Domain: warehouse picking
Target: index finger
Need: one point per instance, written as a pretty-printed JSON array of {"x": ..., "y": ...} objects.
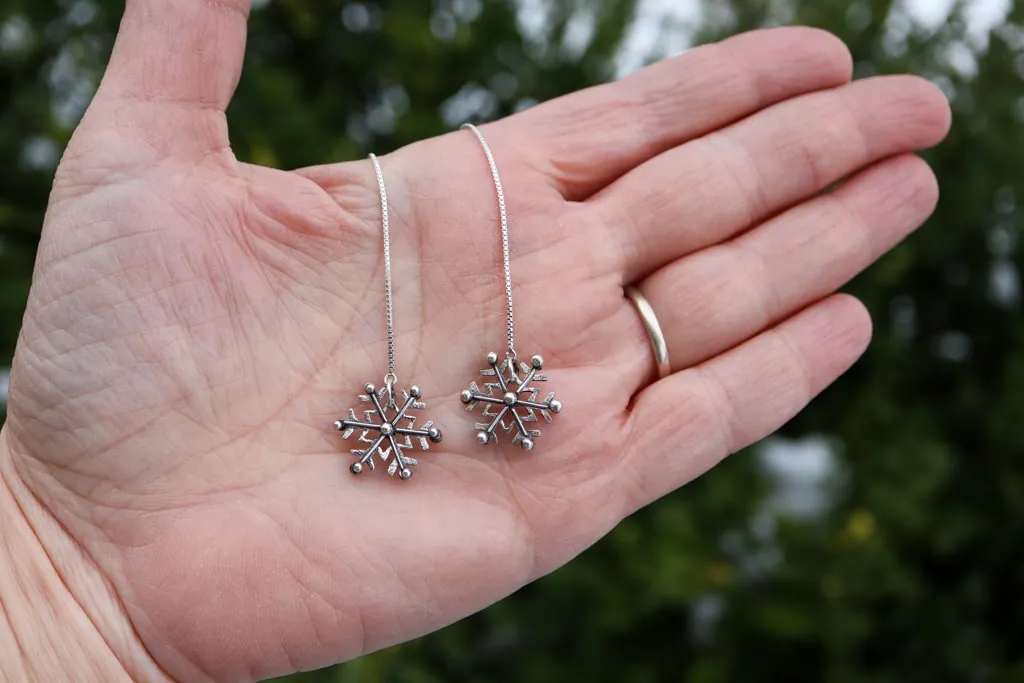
[{"x": 584, "y": 141}]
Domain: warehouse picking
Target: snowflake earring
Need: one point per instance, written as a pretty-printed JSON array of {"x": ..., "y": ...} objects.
[
  {"x": 387, "y": 428},
  {"x": 510, "y": 392}
]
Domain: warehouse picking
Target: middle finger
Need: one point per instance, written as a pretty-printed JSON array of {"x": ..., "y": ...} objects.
[{"x": 715, "y": 187}]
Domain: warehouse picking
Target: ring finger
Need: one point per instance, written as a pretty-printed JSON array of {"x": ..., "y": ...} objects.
[{"x": 717, "y": 298}]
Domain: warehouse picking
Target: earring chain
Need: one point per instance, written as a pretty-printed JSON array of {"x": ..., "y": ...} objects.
[
  {"x": 389, "y": 379},
  {"x": 511, "y": 353}
]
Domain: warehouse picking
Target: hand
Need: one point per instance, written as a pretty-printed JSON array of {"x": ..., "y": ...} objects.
[{"x": 196, "y": 325}]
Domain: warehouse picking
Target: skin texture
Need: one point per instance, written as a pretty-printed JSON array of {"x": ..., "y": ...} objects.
[{"x": 197, "y": 324}]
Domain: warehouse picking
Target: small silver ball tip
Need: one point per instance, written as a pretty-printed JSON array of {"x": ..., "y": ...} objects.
[
  {"x": 537, "y": 361},
  {"x": 414, "y": 391},
  {"x": 405, "y": 474},
  {"x": 482, "y": 438},
  {"x": 526, "y": 444},
  {"x": 556, "y": 406}
]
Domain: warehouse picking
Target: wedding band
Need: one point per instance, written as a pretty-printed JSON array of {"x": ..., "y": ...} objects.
[{"x": 658, "y": 343}]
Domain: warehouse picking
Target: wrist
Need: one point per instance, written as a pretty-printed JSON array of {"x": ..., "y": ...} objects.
[{"x": 59, "y": 620}]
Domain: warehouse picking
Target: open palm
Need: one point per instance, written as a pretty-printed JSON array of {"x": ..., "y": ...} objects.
[{"x": 196, "y": 325}]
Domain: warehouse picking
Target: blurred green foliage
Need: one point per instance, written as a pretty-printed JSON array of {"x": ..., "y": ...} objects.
[{"x": 878, "y": 539}]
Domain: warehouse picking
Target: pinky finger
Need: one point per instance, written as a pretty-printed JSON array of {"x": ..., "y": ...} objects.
[{"x": 685, "y": 424}]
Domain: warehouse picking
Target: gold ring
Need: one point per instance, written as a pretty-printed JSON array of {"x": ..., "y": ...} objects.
[{"x": 658, "y": 343}]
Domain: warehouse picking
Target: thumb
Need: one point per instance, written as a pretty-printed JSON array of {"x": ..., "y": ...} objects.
[{"x": 176, "y": 64}]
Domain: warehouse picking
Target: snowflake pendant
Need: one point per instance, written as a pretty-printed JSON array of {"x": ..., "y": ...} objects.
[
  {"x": 384, "y": 432},
  {"x": 505, "y": 404}
]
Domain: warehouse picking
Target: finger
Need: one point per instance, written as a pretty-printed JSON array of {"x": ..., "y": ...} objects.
[
  {"x": 183, "y": 57},
  {"x": 710, "y": 189},
  {"x": 685, "y": 424},
  {"x": 718, "y": 297},
  {"x": 585, "y": 140}
]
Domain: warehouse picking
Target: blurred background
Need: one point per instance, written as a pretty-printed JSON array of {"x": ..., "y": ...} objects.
[{"x": 878, "y": 538}]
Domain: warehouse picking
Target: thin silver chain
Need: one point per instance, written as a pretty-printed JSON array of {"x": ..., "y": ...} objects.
[
  {"x": 504, "y": 237},
  {"x": 389, "y": 379}
]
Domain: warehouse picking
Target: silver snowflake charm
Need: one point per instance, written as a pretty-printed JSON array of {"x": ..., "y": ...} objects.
[
  {"x": 511, "y": 400},
  {"x": 384, "y": 433}
]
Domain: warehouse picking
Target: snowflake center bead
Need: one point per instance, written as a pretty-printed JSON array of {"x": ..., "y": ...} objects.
[
  {"x": 387, "y": 429},
  {"x": 510, "y": 399}
]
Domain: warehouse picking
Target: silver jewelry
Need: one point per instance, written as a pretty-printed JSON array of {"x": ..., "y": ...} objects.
[
  {"x": 387, "y": 428},
  {"x": 654, "y": 333},
  {"x": 510, "y": 393}
]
